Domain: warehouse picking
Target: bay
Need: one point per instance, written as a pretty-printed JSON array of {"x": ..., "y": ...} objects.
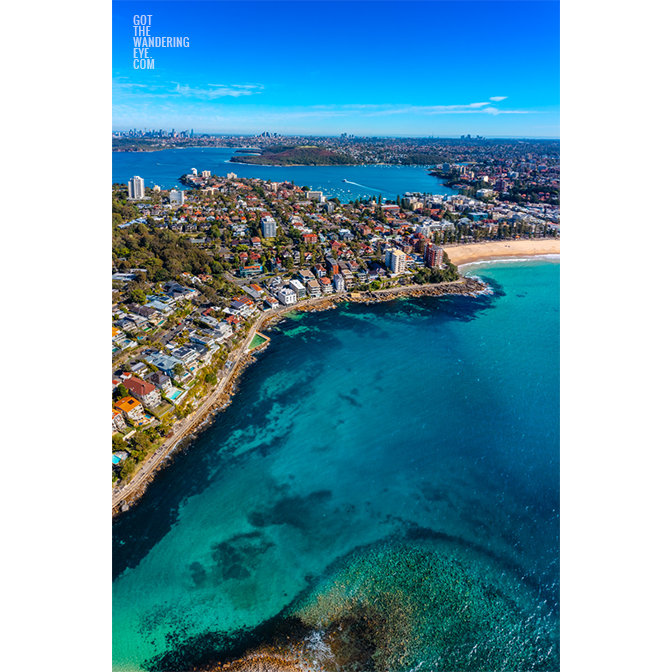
[
  {"x": 399, "y": 458},
  {"x": 165, "y": 168}
]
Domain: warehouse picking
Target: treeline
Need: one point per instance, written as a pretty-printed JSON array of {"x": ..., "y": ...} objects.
[
  {"x": 424, "y": 276},
  {"x": 165, "y": 255},
  {"x": 423, "y": 158},
  {"x": 289, "y": 156}
]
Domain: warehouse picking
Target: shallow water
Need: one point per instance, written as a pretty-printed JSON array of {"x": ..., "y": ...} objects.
[{"x": 419, "y": 433}]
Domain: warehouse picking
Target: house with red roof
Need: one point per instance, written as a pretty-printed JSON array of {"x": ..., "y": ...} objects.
[{"x": 143, "y": 391}]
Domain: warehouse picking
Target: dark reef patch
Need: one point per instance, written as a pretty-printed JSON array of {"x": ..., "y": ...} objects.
[
  {"x": 235, "y": 557},
  {"x": 295, "y": 510}
]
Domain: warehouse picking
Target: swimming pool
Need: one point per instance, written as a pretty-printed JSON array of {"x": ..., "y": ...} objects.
[{"x": 175, "y": 394}]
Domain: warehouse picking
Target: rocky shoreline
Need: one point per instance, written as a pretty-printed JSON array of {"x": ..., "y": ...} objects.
[{"x": 219, "y": 402}]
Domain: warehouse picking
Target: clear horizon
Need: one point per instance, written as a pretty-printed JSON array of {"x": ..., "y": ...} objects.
[{"x": 374, "y": 69}]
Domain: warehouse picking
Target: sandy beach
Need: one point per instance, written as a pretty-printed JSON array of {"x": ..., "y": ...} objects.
[{"x": 466, "y": 254}]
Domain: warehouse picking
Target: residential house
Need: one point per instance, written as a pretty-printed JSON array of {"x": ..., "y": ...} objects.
[
  {"x": 144, "y": 391},
  {"x": 252, "y": 269},
  {"x": 272, "y": 302},
  {"x": 165, "y": 363},
  {"x": 326, "y": 286},
  {"x": 118, "y": 423},
  {"x": 163, "y": 382},
  {"x": 305, "y": 276},
  {"x": 254, "y": 290},
  {"x": 188, "y": 354},
  {"x": 313, "y": 287},
  {"x": 298, "y": 288},
  {"x": 151, "y": 314},
  {"x": 138, "y": 369},
  {"x": 131, "y": 408},
  {"x": 287, "y": 296},
  {"x": 179, "y": 292}
]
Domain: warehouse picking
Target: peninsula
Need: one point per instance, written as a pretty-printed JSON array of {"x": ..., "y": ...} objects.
[
  {"x": 297, "y": 156},
  {"x": 198, "y": 273}
]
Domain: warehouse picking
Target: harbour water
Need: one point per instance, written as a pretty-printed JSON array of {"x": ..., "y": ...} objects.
[
  {"x": 394, "y": 464},
  {"x": 165, "y": 168}
]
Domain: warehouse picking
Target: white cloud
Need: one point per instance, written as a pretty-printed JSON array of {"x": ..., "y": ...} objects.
[
  {"x": 498, "y": 99},
  {"x": 218, "y": 90}
]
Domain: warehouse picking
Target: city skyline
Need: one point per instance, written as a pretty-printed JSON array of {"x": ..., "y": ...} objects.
[{"x": 389, "y": 69}]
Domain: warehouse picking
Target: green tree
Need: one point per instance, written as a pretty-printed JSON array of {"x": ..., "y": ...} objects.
[
  {"x": 118, "y": 443},
  {"x": 178, "y": 369},
  {"x": 127, "y": 468},
  {"x": 138, "y": 296}
]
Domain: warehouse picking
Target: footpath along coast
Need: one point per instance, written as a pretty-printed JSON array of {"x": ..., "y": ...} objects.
[{"x": 240, "y": 357}]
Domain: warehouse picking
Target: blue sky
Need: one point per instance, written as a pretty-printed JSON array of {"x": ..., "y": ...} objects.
[{"x": 326, "y": 68}]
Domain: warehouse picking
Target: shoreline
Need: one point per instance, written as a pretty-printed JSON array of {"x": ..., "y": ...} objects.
[
  {"x": 461, "y": 255},
  {"x": 219, "y": 399},
  {"x": 188, "y": 428}
]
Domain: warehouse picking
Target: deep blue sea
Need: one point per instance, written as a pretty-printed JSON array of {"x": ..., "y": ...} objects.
[
  {"x": 387, "y": 474},
  {"x": 165, "y": 168}
]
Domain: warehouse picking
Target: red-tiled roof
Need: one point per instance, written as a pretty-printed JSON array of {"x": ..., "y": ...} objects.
[{"x": 138, "y": 386}]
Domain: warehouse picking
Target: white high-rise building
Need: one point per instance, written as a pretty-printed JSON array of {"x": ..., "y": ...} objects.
[
  {"x": 315, "y": 196},
  {"x": 176, "y": 197},
  {"x": 395, "y": 260},
  {"x": 269, "y": 227},
  {"x": 136, "y": 188}
]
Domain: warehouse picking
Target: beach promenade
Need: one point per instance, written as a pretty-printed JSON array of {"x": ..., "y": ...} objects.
[{"x": 186, "y": 426}]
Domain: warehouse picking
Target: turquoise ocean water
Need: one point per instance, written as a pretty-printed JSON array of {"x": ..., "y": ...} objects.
[
  {"x": 165, "y": 168},
  {"x": 398, "y": 459}
]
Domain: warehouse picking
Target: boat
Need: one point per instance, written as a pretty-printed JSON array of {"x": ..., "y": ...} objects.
[{"x": 344, "y": 180}]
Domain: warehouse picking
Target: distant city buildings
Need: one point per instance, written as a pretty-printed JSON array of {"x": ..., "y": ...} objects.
[{"x": 136, "y": 188}]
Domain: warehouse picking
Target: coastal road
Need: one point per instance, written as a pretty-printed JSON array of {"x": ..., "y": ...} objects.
[{"x": 183, "y": 427}]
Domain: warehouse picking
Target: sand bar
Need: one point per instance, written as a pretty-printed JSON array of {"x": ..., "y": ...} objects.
[{"x": 466, "y": 254}]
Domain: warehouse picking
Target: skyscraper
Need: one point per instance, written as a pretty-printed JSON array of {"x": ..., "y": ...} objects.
[{"x": 136, "y": 188}]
